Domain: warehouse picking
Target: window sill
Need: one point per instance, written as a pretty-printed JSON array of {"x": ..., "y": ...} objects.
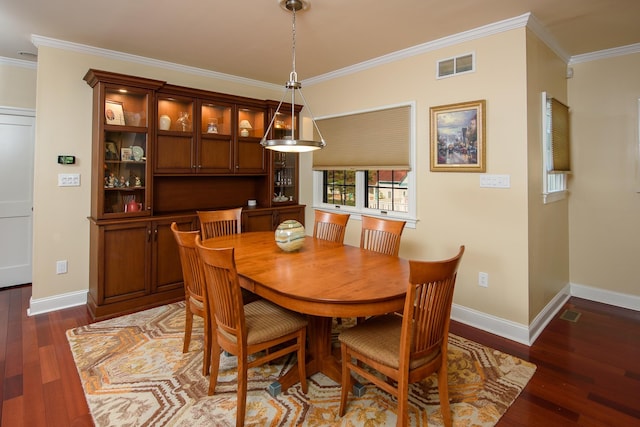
[
  {"x": 556, "y": 196},
  {"x": 357, "y": 214}
]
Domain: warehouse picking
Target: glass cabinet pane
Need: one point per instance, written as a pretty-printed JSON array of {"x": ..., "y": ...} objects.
[
  {"x": 124, "y": 107},
  {"x": 215, "y": 118},
  {"x": 250, "y": 122},
  {"x": 282, "y": 127},
  {"x": 175, "y": 114},
  {"x": 284, "y": 177},
  {"x": 125, "y": 172}
]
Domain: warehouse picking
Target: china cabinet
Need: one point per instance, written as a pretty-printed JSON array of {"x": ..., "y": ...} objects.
[
  {"x": 283, "y": 180},
  {"x": 160, "y": 153},
  {"x": 134, "y": 265},
  {"x": 268, "y": 219},
  {"x": 219, "y": 135},
  {"x": 121, "y": 137}
]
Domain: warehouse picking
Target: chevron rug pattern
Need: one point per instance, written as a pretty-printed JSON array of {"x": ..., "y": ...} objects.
[{"x": 134, "y": 374}]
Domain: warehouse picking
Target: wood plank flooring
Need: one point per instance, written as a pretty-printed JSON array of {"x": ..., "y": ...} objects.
[{"x": 588, "y": 371}]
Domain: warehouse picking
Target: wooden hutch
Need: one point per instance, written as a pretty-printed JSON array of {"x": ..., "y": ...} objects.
[{"x": 160, "y": 153}]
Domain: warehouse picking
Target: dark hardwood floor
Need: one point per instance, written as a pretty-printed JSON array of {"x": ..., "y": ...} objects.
[{"x": 588, "y": 371}]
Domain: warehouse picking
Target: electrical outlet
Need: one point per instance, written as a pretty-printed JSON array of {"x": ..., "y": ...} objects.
[
  {"x": 483, "y": 279},
  {"x": 61, "y": 267}
]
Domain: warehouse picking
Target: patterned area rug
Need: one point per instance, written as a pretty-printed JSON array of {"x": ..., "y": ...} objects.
[{"x": 134, "y": 374}]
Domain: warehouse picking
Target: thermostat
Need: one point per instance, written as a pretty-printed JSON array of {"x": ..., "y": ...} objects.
[{"x": 67, "y": 160}]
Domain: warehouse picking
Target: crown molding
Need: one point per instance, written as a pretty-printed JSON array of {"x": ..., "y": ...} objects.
[
  {"x": 112, "y": 54},
  {"x": 474, "y": 34},
  {"x": 18, "y": 63},
  {"x": 606, "y": 53}
]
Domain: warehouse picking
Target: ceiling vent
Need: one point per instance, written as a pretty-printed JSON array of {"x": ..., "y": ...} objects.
[{"x": 457, "y": 65}]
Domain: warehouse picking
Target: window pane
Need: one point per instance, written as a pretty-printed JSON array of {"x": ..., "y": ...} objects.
[
  {"x": 387, "y": 190},
  {"x": 339, "y": 187}
]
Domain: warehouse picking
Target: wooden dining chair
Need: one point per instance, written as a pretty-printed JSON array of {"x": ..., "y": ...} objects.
[
  {"x": 381, "y": 235},
  {"x": 220, "y": 222},
  {"x": 194, "y": 290},
  {"x": 330, "y": 226},
  {"x": 410, "y": 347},
  {"x": 245, "y": 330}
]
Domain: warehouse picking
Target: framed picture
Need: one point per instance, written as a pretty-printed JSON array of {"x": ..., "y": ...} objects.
[
  {"x": 110, "y": 151},
  {"x": 126, "y": 155},
  {"x": 458, "y": 137},
  {"x": 113, "y": 112}
]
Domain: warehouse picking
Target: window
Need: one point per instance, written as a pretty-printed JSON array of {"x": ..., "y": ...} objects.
[
  {"x": 555, "y": 146},
  {"x": 367, "y": 164}
]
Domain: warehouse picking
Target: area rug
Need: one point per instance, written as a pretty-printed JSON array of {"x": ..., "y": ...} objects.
[{"x": 134, "y": 374}]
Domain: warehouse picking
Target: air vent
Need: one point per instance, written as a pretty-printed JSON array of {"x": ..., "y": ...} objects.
[{"x": 458, "y": 65}]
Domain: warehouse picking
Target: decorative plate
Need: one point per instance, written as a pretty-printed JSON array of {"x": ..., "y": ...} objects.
[{"x": 137, "y": 152}]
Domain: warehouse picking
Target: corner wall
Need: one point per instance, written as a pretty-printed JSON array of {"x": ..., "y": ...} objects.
[
  {"x": 548, "y": 225},
  {"x": 604, "y": 205},
  {"x": 452, "y": 209}
]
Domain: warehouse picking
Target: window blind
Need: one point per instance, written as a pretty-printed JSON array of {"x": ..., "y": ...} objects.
[
  {"x": 373, "y": 140},
  {"x": 559, "y": 137}
]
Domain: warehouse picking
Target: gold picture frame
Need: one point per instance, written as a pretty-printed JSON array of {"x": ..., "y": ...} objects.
[{"x": 458, "y": 137}]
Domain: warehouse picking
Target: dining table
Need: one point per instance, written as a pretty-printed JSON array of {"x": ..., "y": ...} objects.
[{"x": 323, "y": 280}]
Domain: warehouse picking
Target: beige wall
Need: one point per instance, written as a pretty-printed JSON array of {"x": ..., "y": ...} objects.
[
  {"x": 64, "y": 117},
  {"x": 548, "y": 223},
  {"x": 18, "y": 84},
  {"x": 502, "y": 228},
  {"x": 605, "y": 204},
  {"x": 452, "y": 208}
]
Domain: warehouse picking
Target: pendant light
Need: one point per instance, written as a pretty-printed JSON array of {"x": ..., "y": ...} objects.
[{"x": 289, "y": 143}]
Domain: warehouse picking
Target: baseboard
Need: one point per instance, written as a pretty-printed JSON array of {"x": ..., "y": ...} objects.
[
  {"x": 617, "y": 299},
  {"x": 57, "y": 302},
  {"x": 528, "y": 334},
  {"x": 505, "y": 328}
]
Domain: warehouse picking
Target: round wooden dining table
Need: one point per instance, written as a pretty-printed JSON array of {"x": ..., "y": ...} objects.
[{"x": 323, "y": 280}]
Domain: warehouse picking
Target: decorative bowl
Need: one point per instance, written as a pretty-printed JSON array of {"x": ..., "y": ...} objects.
[{"x": 290, "y": 235}]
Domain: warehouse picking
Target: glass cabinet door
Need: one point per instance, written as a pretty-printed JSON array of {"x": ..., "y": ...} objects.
[
  {"x": 175, "y": 142},
  {"x": 284, "y": 166},
  {"x": 250, "y": 156},
  {"x": 285, "y": 177},
  {"x": 125, "y": 143},
  {"x": 215, "y": 147}
]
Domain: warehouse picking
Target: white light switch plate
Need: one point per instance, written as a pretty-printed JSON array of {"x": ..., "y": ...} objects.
[
  {"x": 495, "y": 181},
  {"x": 68, "y": 180}
]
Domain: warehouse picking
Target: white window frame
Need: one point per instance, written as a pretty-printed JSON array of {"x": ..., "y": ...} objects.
[
  {"x": 554, "y": 185},
  {"x": 361, "y": 185}
]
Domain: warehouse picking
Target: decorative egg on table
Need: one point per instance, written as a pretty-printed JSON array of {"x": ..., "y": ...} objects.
[{"x": 290, "y": 235}]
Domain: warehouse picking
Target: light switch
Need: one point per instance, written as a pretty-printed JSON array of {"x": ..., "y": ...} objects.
[{"x": 68, "y": 180}]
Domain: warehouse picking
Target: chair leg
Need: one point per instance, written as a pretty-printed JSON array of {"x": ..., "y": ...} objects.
[
  {"x": 443, "y": 391},
  {"x": 206, "y": 359},
  {"x": 215, "y": 365},
  {"x": 403, "y": 402},
  {"x": 188, "y": 325},
  {"x": 301, "y": 360},
  {"x": 346, "y": 380},
  {"x": 241, "y": 404}
]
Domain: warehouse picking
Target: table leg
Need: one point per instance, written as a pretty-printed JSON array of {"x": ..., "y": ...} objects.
[{"x": 319, "y": 355}]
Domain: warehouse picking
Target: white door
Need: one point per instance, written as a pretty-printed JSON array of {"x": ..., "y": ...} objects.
[{"x": 17, "y": 140}]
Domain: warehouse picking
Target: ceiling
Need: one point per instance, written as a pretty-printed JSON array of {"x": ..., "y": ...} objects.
[{"x": 253, "y": 38}]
